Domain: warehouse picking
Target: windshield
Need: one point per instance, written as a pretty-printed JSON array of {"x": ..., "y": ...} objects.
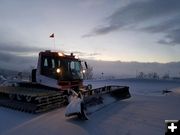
[{"x": 69, "y": 69}]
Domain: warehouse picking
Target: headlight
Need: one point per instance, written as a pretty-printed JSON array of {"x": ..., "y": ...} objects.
[
  {"x": 84, "y": 71},
  {"x": 58, "y": 70}
]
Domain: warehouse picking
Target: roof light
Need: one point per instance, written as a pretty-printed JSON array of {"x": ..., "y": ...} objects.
[
  {"x": 76, "y": 57},
  {"x": 60, "y": 54}
]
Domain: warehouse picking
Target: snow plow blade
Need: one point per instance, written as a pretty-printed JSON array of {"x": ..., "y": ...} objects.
[
  {"x": 96, "y": 99},
  {"x": 119, "y": 92},
  {"x": 103, "y": 96}
]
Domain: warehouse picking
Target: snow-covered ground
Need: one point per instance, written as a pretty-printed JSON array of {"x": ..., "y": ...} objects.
[{"x": 144, "y": 113}]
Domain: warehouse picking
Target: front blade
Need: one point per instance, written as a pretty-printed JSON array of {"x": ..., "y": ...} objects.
[{"x": 104, "y": 96}]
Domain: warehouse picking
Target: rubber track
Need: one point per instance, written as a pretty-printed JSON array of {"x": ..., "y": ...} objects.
[{"x": 43, "y": 100}]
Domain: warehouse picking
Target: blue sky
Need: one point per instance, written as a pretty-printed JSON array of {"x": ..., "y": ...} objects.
[{"x": 108, "y": 30}]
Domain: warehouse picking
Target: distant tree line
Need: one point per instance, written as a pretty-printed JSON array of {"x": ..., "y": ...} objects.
[{"x": 152, "y": 75}]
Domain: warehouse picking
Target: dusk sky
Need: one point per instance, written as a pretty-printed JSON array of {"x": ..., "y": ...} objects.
[{"x": 109, "y": 30}]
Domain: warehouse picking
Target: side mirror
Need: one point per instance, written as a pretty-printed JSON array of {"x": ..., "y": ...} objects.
[{"x": 86, "y": 65}]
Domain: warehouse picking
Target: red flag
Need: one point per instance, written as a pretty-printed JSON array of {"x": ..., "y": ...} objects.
[{"x": 52, "y": 35}]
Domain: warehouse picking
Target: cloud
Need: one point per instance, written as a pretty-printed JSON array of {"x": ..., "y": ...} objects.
[
  {"x": 6, "y": 57},
  {"x": 162, "y": 16},
  {"x": 16, "y": 54},
  {"x": 15, "y": 62},
  {"x": 13, "y": 58},
  {"x": 11, "y": 41},
  {"x": 130, "y": 69},
  {"x": 83, "y": 54},
  {"x": 17, "y": 47},
  {"x": 172, "y": 38},
  {"x": 101, "y": 30},
  {"x": 94, "y": 54},
  {"x": 167, "y": 25},
  {"x": 171, "y": 29},
  {"x": 19, "y": 55}
]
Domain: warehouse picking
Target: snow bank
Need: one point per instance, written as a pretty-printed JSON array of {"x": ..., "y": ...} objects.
[{"x": 141, "y": 114}]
